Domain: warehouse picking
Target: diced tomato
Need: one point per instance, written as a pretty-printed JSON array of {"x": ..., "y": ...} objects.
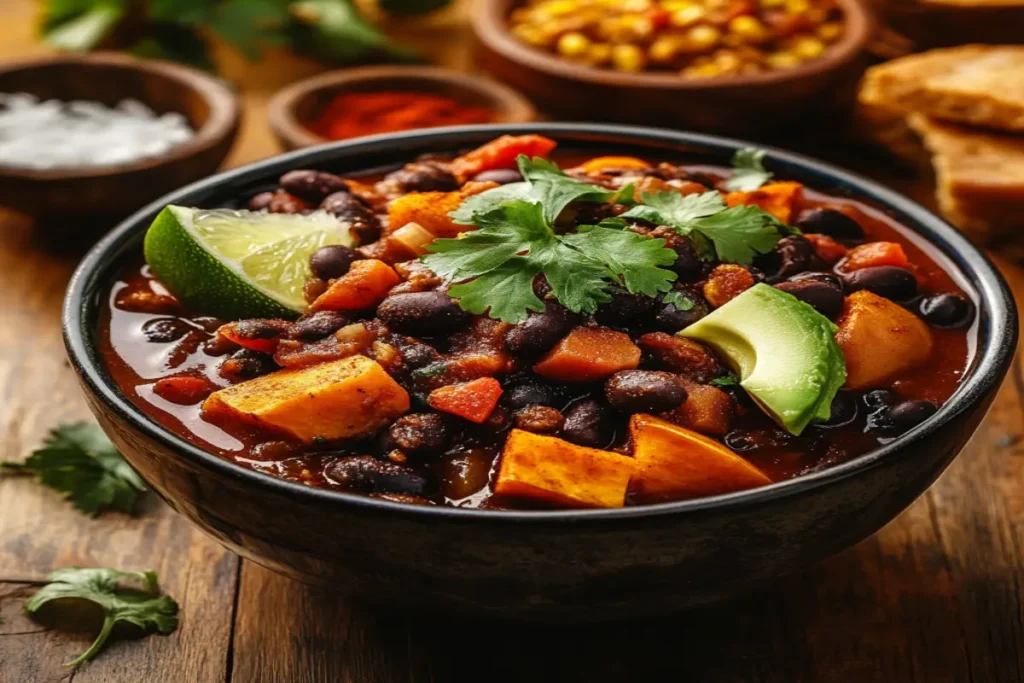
[
  {"x": 827, "y": 249},
  {"x": 501, "y": 153},
  {"x": 474, "y": 401},
  {"x": 257, "y": 334},
  {"x": 875, "y": 254},
  {"x": 183, "y": 390}
]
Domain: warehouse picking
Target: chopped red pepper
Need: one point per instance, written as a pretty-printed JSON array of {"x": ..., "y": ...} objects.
[
  {"x": 474, "y": 401},
  {"x": 827, "y": 249}
]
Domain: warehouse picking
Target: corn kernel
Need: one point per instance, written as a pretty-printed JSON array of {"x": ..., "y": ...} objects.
[
  {"x": 797, "y": 6},
  {"x": 663, "y": 49},
  {"x": 676, "y": 5},
  {"x": 627, "y": 58},
  {"x": 830, "y": 31},
  {"x": 772, "y": 3},
  {"x": 557, "y": 8},
  {"x": 748, "y": 27},
  {"x": 728, "y": 62},
  {"x": 702, "y": 71},
  {"x": 529, "y": 33},
  {"x": 573, "y": 45},
  {"x": 808, "y": 48},
  {"x": 702, "y": 38},
  {"x": 782, "y": 60},
  {"x": 599, "y": 53},
  {"x": 688, "y": 16}
]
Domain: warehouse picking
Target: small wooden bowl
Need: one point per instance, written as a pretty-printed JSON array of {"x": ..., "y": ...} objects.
[
  {"x": 293, "y": 108},
  {"x": 741, "y": 104},
  {"x": 114, "y": 191}
]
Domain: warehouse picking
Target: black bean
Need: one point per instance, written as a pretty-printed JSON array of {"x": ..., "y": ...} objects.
[
  {"x": 261, "y": 328},
  {"x": 421, "y": 176},
  {"x": 688, "y": 265},
  {"x": 897, "y": 284},
  {"x": 354, "y": 211},
  {"x": 827, "y": 278},
  {"x": 947, "y": 310},
  {"x": 207, "y": 322},
  {"x": 332, "y": 261},
  {"x": 261, "y": 202},
  {"x": 312, "y": 186},
  {"x": 319, "y": 325},
  {"x": 626, "y": 310},
  {"x": 880, "y": 398},
  {"x": 246, "y": 364},
  {"x": 835, "y": 224},
  {"x": 792, "y": 254},
  {"x": 644, "y": 391},
  {"x": 368, "y": 475},
  {"x": 283, "y": 202},
  {"x": 843, "y": 411},
  {"x": 502, "y": 176},
  {"x": 419, "y": 433},
  {"x": 905, "y": 416},
  {"x": 527, "y": 394},
  {"x": 422, "y": 313},
  {"x": 669, "y": 318},
  {"x": 419, "y": 355},
  {"x": 541, "y": 331},
  {"x": 584, "y": 424},
  {"x": 827, "y": 299},
  {"x": 165, "y": 330}
]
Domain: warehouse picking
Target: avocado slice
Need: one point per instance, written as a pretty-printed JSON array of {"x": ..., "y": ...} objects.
[{"x": 782, "y": 349}]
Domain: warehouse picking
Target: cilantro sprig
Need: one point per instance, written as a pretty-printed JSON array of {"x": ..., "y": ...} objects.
[
  {"x": 495, "y": 265},
  {"x": 78, "y": 460},
  {"x": 144, "y": 607},
  {"x": 748, "y": 171},
  {"x": 736, "y": 234}
]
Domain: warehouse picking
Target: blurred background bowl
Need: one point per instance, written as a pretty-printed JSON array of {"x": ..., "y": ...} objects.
[
  {"x": 293, "y": 109},
  {"x": 734, "y": 104},
  {"x": 210, "y": 106}
]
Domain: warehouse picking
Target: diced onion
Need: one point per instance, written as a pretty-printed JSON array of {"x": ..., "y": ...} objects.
[{"x": 413, "y": 237}]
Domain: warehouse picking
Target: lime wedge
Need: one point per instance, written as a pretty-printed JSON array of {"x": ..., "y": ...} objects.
[{"x": 238, "y": 264}]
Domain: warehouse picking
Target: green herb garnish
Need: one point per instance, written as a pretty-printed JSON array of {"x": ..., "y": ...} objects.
[
  {"x": 495, "y": 265},
  {"x": 735, "y": 234},
  {"x": 726, "y": 381},
  {"x": 145, "y": 608},
  {"x": 78, "y": 460},
  {"x": 748, "y": 171},
  {"x": 679, "y": 300}
]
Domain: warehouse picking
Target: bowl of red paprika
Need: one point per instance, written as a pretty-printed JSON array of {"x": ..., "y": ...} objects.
[{"x": 351, "y": 103}]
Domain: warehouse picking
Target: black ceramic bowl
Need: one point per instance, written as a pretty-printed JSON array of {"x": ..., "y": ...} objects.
[{"x": 575, "y": 565}]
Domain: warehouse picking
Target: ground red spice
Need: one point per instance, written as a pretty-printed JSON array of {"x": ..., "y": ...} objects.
[{"x": 352, "y": 114}]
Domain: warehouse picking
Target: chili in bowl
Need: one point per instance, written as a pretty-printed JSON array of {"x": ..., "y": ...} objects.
[{"x": 340, "y": 351}]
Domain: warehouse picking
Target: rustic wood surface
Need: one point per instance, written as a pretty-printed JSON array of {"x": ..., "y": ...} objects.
[{"x": 935, "y": 596}]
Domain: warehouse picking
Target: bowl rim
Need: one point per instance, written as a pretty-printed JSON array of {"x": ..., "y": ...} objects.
[
  {"x": 512, "y": 104},
  {"x": 225, "y": 113},
  {"x": 993, "y": 356},
  {"x": 490, "y": 25}
]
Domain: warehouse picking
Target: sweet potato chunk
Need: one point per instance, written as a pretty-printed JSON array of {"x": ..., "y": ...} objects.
[
  {"x": 598, "y": 164},
  {"x": 880, "y": 340},
  {"x": 336, "y": 400},
  {"x": 501, "y": 153},
  {"x": 474, "y": 401},
  {"x": 588, "y": 354},
  {"x": 430, "y": 209},
  {"x": 365, "y": 285},
  {"x": 707, "y": 409},
  {"x": 674, "y": 463},
  {"x": 875, "y": 254},
  {"x": 779, "y": 199},
  {"x": 551, "y": 470}
]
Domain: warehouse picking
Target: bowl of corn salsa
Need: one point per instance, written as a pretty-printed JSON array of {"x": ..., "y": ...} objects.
[{"x": 720, "y": 65}]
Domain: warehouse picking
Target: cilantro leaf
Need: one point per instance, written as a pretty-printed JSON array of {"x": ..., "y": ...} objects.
[
  {"x": 748, "y": 172},
  {"x": 629, "y": 256},
  {"x": 506, "y": 292},
  {"x": 578, "y": 282},
  {"x": 490, "y": 200},
  {"x": 679, "y": 300},
  {"x": 737, "y": 234},
  {"x": 78, "y": 460},
  {"x": 144, "y": 608},
  {"x": 729, "y": 380},
  {"x": 78, "y": 27}
]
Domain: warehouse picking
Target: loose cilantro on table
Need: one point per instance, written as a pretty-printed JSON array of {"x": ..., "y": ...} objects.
[
  {"x": 748, "y": 171},
  {"x": 145, "y": 607},
  {"x": 78, "y": 460},
  {"x": 736, "y": 234}
]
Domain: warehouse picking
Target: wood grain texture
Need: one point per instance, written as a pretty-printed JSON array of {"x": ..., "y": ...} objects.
[{"x": 934, "y": 597}]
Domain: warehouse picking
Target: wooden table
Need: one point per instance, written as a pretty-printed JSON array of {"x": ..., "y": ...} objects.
[{"x": 935, "y": 596}]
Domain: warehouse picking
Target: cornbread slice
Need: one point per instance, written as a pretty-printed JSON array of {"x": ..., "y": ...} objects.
[
  {"x": 982, "y": 85},
  {"x": 980, "y": 176}
]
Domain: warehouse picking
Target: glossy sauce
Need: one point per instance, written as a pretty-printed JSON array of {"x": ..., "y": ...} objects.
[{"x": 136, "y": 363}]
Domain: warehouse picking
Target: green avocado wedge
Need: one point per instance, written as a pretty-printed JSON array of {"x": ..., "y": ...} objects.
[
  {"x": 238, "y": 264},
  {"x": 783, "y": 350}
]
